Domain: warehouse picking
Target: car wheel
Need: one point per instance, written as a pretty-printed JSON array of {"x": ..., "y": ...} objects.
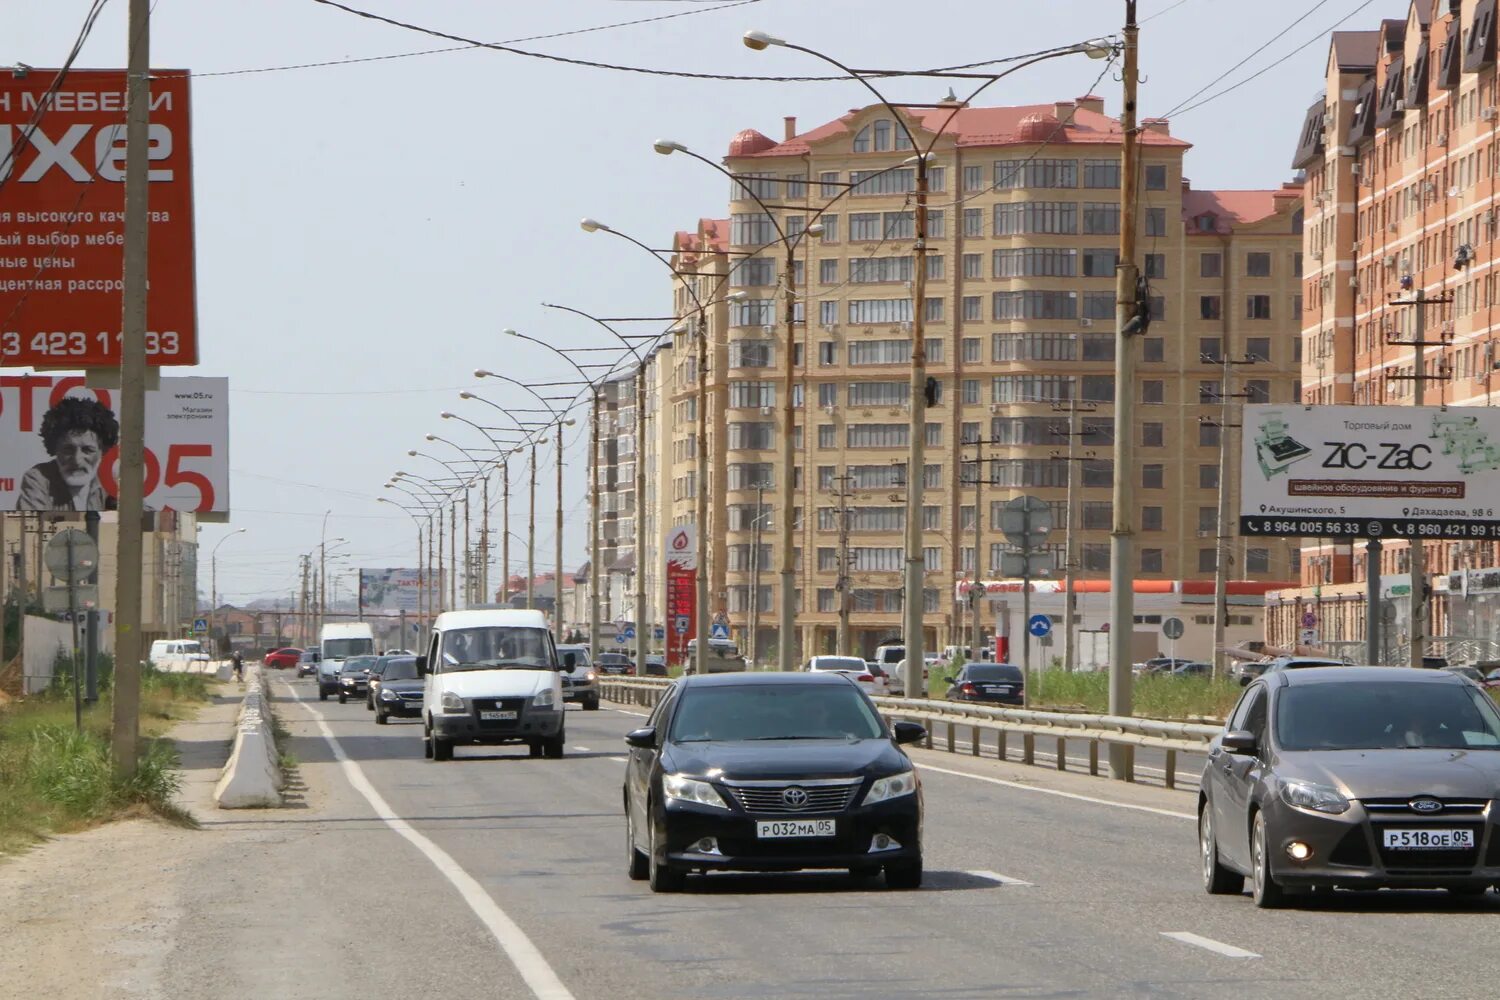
[
  {"x": 535, "y": 749},
  {"x": 427, "y": 742},
  {"x": 322, "y": 695},
  {"x": 1268, "y": 894},
  {"x": 369, "y": 704},
  {"x": 552, "y": 748},
  {"x": 1217, "y": 880},
  {"x": 904, "y": 875},
  {"x": 661, "y": 876},
  {"x": 638, "y": 864},
  {"x": 381, "y": 719},
  {"x": 343, "y": 698},
  {"x": 592, "y": 705},
  {"x": 441, "y": 749}
]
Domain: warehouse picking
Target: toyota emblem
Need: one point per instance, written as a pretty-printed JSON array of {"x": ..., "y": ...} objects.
[
  {"x": 1425, "y": 805},
  {"x": 794, "y": 797}
]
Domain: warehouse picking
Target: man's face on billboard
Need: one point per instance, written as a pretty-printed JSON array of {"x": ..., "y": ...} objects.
[{"x": 78, "y": 457}]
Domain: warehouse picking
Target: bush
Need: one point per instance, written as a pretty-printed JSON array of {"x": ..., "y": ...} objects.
[{"x": 72, "y": 771}]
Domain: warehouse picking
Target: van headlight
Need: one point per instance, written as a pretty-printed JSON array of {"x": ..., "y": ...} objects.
[
  {"x": 452, "y": 702},
  {"x": 702, "y": 793},
  {"x": 1318, "y": 798},
  {"x": 892, "y": 787},
  {"x": 545, "y": 698}
]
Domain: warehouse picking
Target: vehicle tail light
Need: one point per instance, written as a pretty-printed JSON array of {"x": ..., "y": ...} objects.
[
  {"x": 967, "y": 688},
  {"x": 866, "y": 678}
]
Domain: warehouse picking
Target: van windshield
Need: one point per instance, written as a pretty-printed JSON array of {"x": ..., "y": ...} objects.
[
  {"x": 342, "y": 649},
  {"x": 189, "y": 647},
  {"x": 497, "y": 647}
]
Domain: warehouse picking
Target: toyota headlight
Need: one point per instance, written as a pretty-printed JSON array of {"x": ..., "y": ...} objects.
[
  {"x": 892, "y": 787},
  {"x": 1319, "y": 798},
  {"x": 452, "y": 702},
  {"x": 386, "y": 694},
  {"x": 692, "y": 790},
  {"x": 545, "y": 698}
]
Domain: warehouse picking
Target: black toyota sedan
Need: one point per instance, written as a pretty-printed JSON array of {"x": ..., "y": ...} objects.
[
  {"x": 997, "y": 683},
  {"x": 399, "y": 692},
  {"x": 354, "y": 677},
  {"x": 771, "y": 772},
  {"x": 1353, "y": 777}
]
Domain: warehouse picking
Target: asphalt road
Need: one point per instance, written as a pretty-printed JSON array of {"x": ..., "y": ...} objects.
[{"x": 1039, "y": 884}]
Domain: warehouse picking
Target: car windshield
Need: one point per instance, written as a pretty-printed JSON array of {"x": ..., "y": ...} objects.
[
  {"x": 1386, "y": 715},
  {"x": 400, "y": 668},
  {"x": 339, "y": 649},
  {"x": 839, "y": 663},
  {"x": 774, "y": 712},
  {"x": 359, "y": 663},
  {"x": 497, "y": 647},
  {"x": 993, "y": 672}
]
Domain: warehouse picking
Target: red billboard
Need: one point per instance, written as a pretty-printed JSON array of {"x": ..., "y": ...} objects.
[
  {"x": 682, "y": 591},
  {"x": 62, "y": 220}
]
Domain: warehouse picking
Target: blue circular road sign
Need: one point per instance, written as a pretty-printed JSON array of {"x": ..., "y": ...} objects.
[{"x": 1039, "y": 625}]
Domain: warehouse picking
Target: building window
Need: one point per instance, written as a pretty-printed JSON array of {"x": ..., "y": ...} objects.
[
  {"x": 1151, "y": 560},
  {"x": 1058, "y": 217},
  {"x": 750, "y": 228},
  {"x": 1259, "y": 348},
  {"x": 1210, "y": 265},
  {"x": 1152, "y": 477},
  {"x": 971, "y": 391},
  {"x": 1156, "y": 265},
  {"x": 829, "y": 181},
  {"x": 1152, "y": 435},
  {"x": 1210, "y": 307},
  {"x": 1208, "y": 560},
  {"x": 1153, "y": 349},
  {"x": 1208, "y": 520},
  {"x": 1208, "y": 435},
  {"x": 828, "y": 313},
  {"x": 828, "y": 394},
  {"x": 973, "y": 308},
  {"x": 937, "y": 223},
  {"x": 1297, "y": 264},
  {"x": 1156, "y": 222},
  {"x": 1258, "y": 264},
  {"x": 937, "y": 267},
  {"x": 972, "y": 347},
  {"x": 1034, "y": 262},
  {"x": 1209, "y": 347},
  {"x": 1095, "y": 556},
  {"x": 828, "y": 436},
  {"x": 830, "y": 228},
  {"x": 1034, "y": 305},
  {"x": 973, "y": 222},
  {"x": 1153, "y": 391},
  {"x": 1101, "y": 218},
  {"x": 1257, "y": 560},
  {"x": 1101, "y": 174},
  {"x": 933, "y": 310},
  {"x": 880, "y": 310},
  {"x": 1100, "y": 263},
  {"x": 1152, "y": 519},
  {"x": 974, "y": 178},
  {"x": 1257, "y": 307},
  {"x": 973, "y": 263},
  {"x": 1257, "y": 390},
  {"x": 870, "y": 182},
  {"x": 828, "y": 272},
  {"x": 933, "y": 347},
  {"x": 1208, "y": 477},
  {"x": 1156, "y": 177}
]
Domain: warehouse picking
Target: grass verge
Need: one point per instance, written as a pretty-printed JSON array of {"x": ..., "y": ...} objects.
[
  {"x": 56, "y": 779},
  {"x": 1155, "y": 696}
]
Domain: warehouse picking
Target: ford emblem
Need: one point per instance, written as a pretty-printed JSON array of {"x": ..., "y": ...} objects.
[
  {"x": 794, "y": 797},
  {"x": 1425, "y": 805}
]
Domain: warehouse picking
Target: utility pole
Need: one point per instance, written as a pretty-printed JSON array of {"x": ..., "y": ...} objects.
[
  {"x": 125, "y": 731},
  {"x": 306, "y": 562},
  {"x": 557, "y": 577},
  {"x": 976, "y": 589},
  {"x": 468, "y": 551},
  {"x": 642, "y": 636},
  {"x": 842, "y": 588},
  {"x": 594, "y": 632},
  {"x": 1418, "y": 555},
  {"x": 453, "y": 554},
  {"x": 700, "y": 491},
  {"x": 1130, "y": 322},
  {"x": 754, "y": 613},
  {"x": 482, "y": 595},
  {"x": 1070, "y": 515},
  {"x": 505, "y": 532},
  {"x": 531, "y": 536},
  {"x": 1222, "y": 538},
  {"x": 914, "y": 604}
]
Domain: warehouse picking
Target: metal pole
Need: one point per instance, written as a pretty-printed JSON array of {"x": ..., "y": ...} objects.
[
  {"x": 441, "y": 594},
  {"x": 213, "y": 601},
  {"x": 505, "y": 532},
  {"x": 453, "y": 555},
  {"x": 73, "y": 620},
  {"x": 977, "y": 586},
  {"x": 1418, "y": 549},
  {"x": 594, "y": 633},
  {"x": 531, "y": 536},
  {"x": 557, "y": 577},
  {"x": 484, "y": 544},
  {"x": 1121, "y": 596},
  {"x": 914, "y": 604},
  {"x": 91, "y": 617},
  {"x": 842, "y": 646},
  {"x": 642, "y": 636},
  {"x": 23, "y": 598},
  {"x": 700, "y": 618},
  {"x": 752, "y": 652},
  {"x": 1372, "y": 602},
  {"x": 125, "y": 732},
  {"x": 1070, "y": 599},
  {"x": 1222, "y": 539},
  {"x": 786, "y": 597},
  {"x": 468, "y": 552},
  {"x": 1027, "y": 696}
]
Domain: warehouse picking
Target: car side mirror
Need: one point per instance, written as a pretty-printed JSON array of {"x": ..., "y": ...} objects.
[
  {"x": 643, "y": 738},
  {"x": 1239, "y": 741},
  {"x": 908, "y": 732},
  {"x": 569, "y": 660},
  {"x": 421, "y": 666}
]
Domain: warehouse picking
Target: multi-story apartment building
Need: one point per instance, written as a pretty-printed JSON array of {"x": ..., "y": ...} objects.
[
  {"x": 1023, "y": 231},
  {"x": 1402, "y": 169}
]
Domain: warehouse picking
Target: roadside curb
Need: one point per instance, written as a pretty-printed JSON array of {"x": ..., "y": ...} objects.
[{"x": 252, "y": 778}]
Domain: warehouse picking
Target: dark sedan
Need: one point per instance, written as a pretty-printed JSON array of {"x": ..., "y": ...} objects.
[
  {"x": 399, "y": 692},
  {"x": 998, "y": 683},
  {"x": 354, "y": 677},
  {"x": 1353, "y": 777},
  {"x": 771, "y": 772},
  {"x": 614, "y": 663}
]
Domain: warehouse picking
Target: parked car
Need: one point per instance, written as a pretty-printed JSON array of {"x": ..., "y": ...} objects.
[
  {"x": 400, "y": 690},
  {"x": 723, "y": 657},
  {"x": 617, "y": 664},
  {"x": 1162, "y": 664},
  {"x": 851, "y": 667},
  {"x": 579, "y": 681},
  {"x": 656, "y": 666},
  {"x": 771, "y": 772},
  {"x": 280, "y": 659},
  {"x": 1352, "y": 777},
  {"x": 1195, "y": 668},
  {"x": 307, "y": 663},
  {"x": 354, "y": 677},
  {"x": 1250, "y": 671},
  {"x": 998, "y": 683}
]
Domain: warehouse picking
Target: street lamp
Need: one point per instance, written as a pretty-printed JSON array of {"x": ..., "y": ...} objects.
[
  {"x": 421, "y": 567},
  {"x": 213, "y": 602}
]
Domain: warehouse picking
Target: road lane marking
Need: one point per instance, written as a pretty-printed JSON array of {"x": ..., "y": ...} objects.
[
  {"x": 1217, "y": 947},
  {"x": 997, "y": 877},
  {"x": 617, "y": 760},
  {"x": 626, "y": 711},
  {"x": 582, "y": 750},
  {"x": 544, "y": 983},
  {"x": 1060, "y": 794}
]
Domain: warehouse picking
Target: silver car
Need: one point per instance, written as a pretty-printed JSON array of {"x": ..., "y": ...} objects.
[{"x": 1353, "y": 777}]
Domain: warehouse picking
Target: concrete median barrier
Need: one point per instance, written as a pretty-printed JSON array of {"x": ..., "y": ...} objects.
[{"x": 252, "y": 779}]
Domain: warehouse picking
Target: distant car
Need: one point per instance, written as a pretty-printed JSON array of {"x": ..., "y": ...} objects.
[
  {"x": 280, "y": 659},
  {"x": 656, "y": 666},
  {"x": 579, "y": 679},
  {"x": 354, "y": 677},
  {"x": 1193, "y": 669},
  {"x": 376, "y": 676},
  {"x": 896, "y": 677},
  {"x": 1163, "y": 664},
  {"x": 1470, "y": 672},
  {"x": 397, "y": 652},
  {"x": 400, "y": 690},
  {"x": 851, "y": 667},
  {"x": 997, "y": 683},
  {"x": 307, "y": 663},
  {"x": 1250, "y": 671},
  {"x": 616, "y": 664}
]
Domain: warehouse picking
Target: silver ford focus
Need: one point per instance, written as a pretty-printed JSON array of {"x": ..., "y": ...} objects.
[{"x": 1354, "y": 778}]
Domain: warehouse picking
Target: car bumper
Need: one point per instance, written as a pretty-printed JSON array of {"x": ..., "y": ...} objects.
[
  {"x": 400, "y": 709},
  {"x": 1014, "y": 698},
  {"x": 1347, "y": 850},
  {"x": 581, "y": 692},
  {"x": 530, "y": 724},
  {"x": 741, "y": 850}
]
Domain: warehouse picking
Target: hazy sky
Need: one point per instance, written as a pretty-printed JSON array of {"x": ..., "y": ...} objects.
[{"x": 366, "y": 231}]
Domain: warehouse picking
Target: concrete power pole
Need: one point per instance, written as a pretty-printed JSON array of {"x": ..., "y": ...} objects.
[
  {"x": 1070, "y": 515},
  {"x": 843, "y": 588},
  {"x": 1130, "y": 322},
  {"x": 753, "y": 650},
  {"x": 125, "y": 731}
]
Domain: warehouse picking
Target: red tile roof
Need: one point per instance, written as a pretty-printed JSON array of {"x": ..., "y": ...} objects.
[
  {"x": 972, "y": 127},
  {"x": 1236, "y": 207},
  {"x": 712, "y": 234},
  {"x": 1356, "y": 50}
]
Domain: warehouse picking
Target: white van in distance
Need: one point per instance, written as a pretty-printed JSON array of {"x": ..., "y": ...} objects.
[
  {"x": 492, "y": 679},
  {"x": 337, "y": 642},
  {"x": 178, "y": 655}
]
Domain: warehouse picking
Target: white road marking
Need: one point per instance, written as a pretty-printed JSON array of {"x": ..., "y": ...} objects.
[
  {"x": 582, "y": 749},
  {"x": 1060, "y": 794},
  {"x": 1217, "y": 947},
  {"x": 626, "y": 711},
  {"x": 997, "y": 877},
  {"x": 544, "y": 983},
  {"x": 617, "y": 760}
]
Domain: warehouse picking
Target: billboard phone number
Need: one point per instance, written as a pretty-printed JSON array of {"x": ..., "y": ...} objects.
[
  {"x": 61, "y": 344},
  {"x": 1374, "y": 528}
]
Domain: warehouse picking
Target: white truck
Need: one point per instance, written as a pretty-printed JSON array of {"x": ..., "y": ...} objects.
[
  {"x": 178, "y": 656},
  {"x": 337, "y": 642}
]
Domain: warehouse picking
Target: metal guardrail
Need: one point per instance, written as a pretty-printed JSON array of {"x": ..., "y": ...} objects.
[{"x": 1172, "y": 737}]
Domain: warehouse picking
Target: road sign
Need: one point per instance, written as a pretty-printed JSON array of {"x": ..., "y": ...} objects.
[
  {"x": 1309, "y": 620},
  {"x": 200, "y": 626},
  {"x": 1308, "y": 637},
  {"x": 719, "y": 630},
  {"x": 628, "y": 632},
  {"x": 620, "y": 639},
  {"x": 74, "y": 566},
  {"x": 1039, "y": 625},
  {"x": 1020, "y": 564},
  {"x": 59, "y": 601},
  {"x": 1173, "y": 628},
  {"x": 658, "y": 633},
  {"x": 681, "y": 624},
  {"x": 1026, "y": 521}
]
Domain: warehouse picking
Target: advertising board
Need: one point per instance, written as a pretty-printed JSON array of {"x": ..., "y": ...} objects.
[
  {"x": 62, "y": 220},
  {"x": 390, "y": 591},
  {"x": 1370, "y": 472},
  {"x": 682, "y": 591},
  {"x": 59, "y": 445}
]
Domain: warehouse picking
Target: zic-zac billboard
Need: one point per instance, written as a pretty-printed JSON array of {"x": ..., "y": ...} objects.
[
  {"x": 394, "y": 590},
  {"x": 1370, "y": 471}
]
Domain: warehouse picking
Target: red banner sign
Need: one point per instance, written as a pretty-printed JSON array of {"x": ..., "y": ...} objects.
[{"x": 682, "y": 591}]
